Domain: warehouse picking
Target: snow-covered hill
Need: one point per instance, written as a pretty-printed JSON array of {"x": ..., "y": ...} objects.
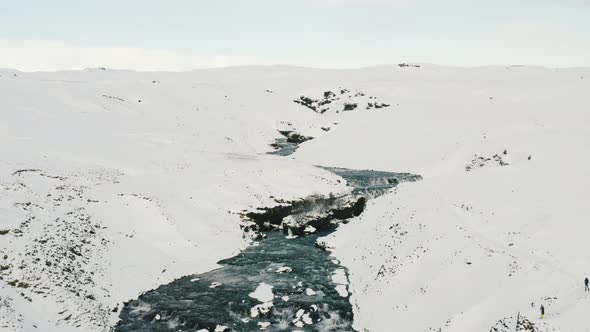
[{"x": 115, "y": 182}]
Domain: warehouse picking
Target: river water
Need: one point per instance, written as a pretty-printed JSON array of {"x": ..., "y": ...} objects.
[
  {"x": 281, "y": 283},
  {"x": 284, "y": 148}
]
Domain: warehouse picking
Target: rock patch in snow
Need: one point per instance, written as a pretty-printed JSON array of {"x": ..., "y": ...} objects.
[
  {"x": 480, "y": 162},
  {"x": 341, "y": 101}
]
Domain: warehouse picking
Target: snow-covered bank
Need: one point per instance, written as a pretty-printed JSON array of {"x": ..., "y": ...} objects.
[
  {"x": 135, "y": 179},
  {"x": 113, "y": 183},
  {"x": 499, "y": 225}
]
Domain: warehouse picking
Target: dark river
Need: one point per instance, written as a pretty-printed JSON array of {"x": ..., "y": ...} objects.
[{"x": 279, "y": 284}]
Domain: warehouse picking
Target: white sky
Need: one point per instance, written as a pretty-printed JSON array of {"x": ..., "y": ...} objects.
[{"x": 189, "y": 34}]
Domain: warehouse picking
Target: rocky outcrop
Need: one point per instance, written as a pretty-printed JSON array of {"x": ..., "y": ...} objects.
[
  {"x": 480, "y": 162},
  {"x": 317, "y": 213},
  {"x": 295, "y": 217},
  {"x": 342, "y": 101},
  {"x": 406, "y": 65},
  {"x": 519, "y": 323}
]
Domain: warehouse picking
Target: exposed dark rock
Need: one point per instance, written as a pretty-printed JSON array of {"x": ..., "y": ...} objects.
[
  {"x": 18, "y": 172},
  {"x": 382, "y": 105},
  {"x": 408, "y": 65},
  {"x": 113, "y": 97},
  {"x": 479, "y": 162},
  {"x": 297, "y": 138},
  {"x": 321, "y": 212},
  {"x": 273, "y": 215},
  {"x": 350, "y": 106},
  {"x": 353, "y": 101},
  {"x": 307, "y": 102}
]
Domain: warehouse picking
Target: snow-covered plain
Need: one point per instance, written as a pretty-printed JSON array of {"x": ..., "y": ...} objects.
[{"x": 114, "y": 182}]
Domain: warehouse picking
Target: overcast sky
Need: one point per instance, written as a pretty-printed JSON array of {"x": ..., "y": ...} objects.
[{"x": 188, "y": 34}]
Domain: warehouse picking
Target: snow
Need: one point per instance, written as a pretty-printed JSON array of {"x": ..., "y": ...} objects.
[
  {"x": 260, "y": 309},
  {"x": 339, "y": 277},
  {"x": 306, "y": 319},
  {"x": 159, "y": 184},
  {"x": 221, "y": 328},
  {"x": 263, "y": 325},
  {"x": 309, "y": 229},
  {"x": 135, "y": 194},
  {"x": 302, "y": 318},
  {"x": 460, "y": 251},
  {"x": 341, "y": 280},
  {"x": 284, "y": 269},
  {"x": 299, "y": 313},
  {"x": 342, "y": 290},
  {"x": 263, "y": 293}
]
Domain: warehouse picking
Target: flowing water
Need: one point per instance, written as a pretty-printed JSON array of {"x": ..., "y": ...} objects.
[
  {"x": 284, "y": 148},
  {"x": 281, "y": 283}
]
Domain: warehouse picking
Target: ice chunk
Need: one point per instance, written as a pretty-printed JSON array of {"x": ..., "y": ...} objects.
[
  {"x": 299, "y": 313},
  {"x": 261, "y": 309},
  {"x": 263, "y": 325},
  {"x": 284, "y": 269},
  {"x": 309, "y": 229},
  {"x": 263, "y": 293}
]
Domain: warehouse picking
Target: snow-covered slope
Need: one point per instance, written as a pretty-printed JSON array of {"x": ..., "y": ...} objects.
[
  {"x": 114, "y": 182},
  {"x": 499, "y": 225},
  {"x": 106, "y": 197}
]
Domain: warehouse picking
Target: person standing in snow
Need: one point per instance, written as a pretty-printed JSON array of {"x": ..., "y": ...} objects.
[
  {"x": 542, "y": 311},
  {"x": 587, "y": 289}
]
